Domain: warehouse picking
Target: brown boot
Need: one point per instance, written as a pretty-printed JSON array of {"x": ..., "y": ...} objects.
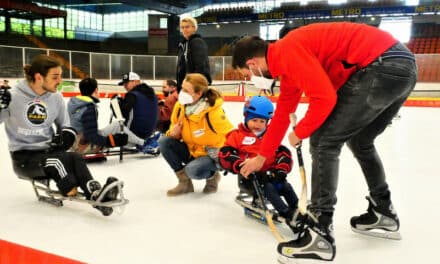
[
  {"x": 184, "y": 186},
  {"x": 212, "y": 183}
]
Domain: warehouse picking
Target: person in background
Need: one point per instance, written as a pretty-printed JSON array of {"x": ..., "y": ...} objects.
[
  {"x": 192, "y": 53},
  {"x": 166, "y": 105},
  {"x": 83, "y": 112},
  {"x": 198, "y": 129},
  {"x": 140, "y": 110},
  {"x": 356, "y": 78},
  {"x": 5, "y": 85}
]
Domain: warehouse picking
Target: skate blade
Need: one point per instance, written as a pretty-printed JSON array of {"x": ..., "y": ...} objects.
[
  {"x": 119, "y": 210},
  {"x": 379, "y": 233},
  {"x": 255, "y": 216},
  {"x": 285, "y": 260},
  {"x": 120, "y": 201}
]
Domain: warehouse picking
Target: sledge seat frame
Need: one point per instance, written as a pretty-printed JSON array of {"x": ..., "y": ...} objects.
[{"x": 46, "y": 194}]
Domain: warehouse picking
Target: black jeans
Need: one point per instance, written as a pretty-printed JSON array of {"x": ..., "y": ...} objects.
[{"x": 365, "y": 106}]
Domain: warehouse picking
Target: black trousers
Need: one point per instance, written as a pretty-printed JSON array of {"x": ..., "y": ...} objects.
[
  {"x": 366, "y": 104},
  {"x": 67, "y": 169}
]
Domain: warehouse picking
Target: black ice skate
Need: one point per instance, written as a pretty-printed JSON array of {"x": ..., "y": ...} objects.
[
  {"x": 108, "y": 193},
  {"x": 380, "y": 221},
  {"x": 93, "y": 186},
  {"x": 315, "y": 242},
  {"x": 295, "y": 221}
]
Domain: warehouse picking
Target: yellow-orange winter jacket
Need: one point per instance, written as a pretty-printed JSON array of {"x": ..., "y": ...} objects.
[{"x": 196, "y": 131}]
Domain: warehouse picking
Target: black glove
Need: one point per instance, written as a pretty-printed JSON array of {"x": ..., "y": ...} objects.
[
  {"x": 64, "y": 140},
  {"x": 117, "y": 140},
  {"x": 229, "y": 159},
  {"x": 5, "y": 98},
  {"x": 283, "y": 159}
]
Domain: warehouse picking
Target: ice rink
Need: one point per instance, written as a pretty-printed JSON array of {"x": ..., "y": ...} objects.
[{"x": 212, "y": 229}]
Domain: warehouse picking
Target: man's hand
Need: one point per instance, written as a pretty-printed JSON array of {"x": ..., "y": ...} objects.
[
  {"x": 251, "y": 165},
  {"x": 293, "y": 139}
]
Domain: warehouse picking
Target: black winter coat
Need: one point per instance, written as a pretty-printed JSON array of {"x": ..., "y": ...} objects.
[{"x": 192, "y": 57}]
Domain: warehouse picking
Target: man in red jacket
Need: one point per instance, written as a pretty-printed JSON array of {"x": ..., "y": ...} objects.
[
  {"x": 166, "y": 105},
  {"x": 356, "y": 77}
]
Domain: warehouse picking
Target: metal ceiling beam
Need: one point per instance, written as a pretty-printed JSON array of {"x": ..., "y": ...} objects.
[{"x": 117, "y": 6}]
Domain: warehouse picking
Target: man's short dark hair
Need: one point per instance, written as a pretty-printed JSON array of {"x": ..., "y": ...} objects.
[
  {"x": 171, "y": 83},
  {"x": 87, "y": 86},
  {"x": 248, "y": 48}
]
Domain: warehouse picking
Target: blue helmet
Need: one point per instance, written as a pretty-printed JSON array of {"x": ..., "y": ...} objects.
[{"x": 258, "y": 107}]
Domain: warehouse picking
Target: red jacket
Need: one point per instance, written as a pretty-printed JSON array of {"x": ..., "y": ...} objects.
[
  {"x": 166, "y": 109},
  {"x": 247, "y": 145},
  {"x": 316, "y": 59}
]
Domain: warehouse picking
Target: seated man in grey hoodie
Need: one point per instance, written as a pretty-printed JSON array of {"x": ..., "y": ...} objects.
[{"x": 30, "y": 111}]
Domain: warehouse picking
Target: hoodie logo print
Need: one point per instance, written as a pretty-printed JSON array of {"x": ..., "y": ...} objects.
[{"x": 36, "y": 112}]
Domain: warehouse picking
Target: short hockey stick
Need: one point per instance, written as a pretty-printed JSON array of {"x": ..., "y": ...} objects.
[
  {"x": 302, "y": 203},
  {"x": 267, "y": 213},
  {"x": 117, "y": 111}
]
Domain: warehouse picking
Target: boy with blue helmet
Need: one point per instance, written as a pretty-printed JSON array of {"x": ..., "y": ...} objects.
[{"x": 244, "y": 142}]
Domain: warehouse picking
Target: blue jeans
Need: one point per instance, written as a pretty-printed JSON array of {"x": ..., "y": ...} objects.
[
  {"x": 365, "y": 106},
  {"x": 177, "y": 155}
]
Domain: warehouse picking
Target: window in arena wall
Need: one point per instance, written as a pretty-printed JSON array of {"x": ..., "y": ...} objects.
[
  {"x": 270, "y": 31},
  {"x": 399, "y": 27},
  {"x": 2, "y": 23}
]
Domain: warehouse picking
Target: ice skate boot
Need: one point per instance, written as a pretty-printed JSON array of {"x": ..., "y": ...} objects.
[
  {"x": 295, "y": 221},
  {"x": 380, "y": 221},
  {"x": 106, "y": 194},
  {"x": 315, "y": 242},
  {"x": 151, "y": 146},
  {"x": 93, "y": 186}
]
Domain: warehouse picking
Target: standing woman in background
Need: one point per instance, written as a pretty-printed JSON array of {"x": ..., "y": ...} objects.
[
  {"x": 198, "y": 129},
  {"x": 192, "y": 53}
]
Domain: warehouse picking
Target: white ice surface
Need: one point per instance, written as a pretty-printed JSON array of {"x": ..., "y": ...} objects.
[{"x": 211, "y": 229}]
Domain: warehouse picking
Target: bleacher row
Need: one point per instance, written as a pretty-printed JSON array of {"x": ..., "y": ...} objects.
[
  {"x": 297, "y": 6},
  {"x": 428, "y": 69},
  {"x": 424, "y": 45}
]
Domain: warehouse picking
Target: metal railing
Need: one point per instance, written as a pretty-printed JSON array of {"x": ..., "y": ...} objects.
[
  {"x": 77, "y": 64},
  {"x": 107, "y": 66}
]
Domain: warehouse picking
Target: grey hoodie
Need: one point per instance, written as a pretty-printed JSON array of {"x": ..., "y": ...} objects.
[{"x": 29, "y": 119}]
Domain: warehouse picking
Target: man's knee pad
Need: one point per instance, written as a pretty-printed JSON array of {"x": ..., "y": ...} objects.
[{"x": 66, "y": 184}]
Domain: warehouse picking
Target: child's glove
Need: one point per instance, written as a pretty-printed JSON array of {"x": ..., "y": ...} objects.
[{"x": 229, "y": 159}]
